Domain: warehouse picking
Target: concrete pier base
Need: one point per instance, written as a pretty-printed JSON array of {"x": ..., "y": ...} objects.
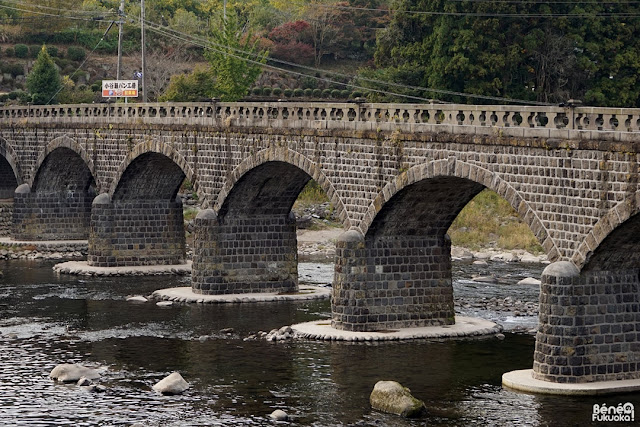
[
  {"x": 463, "y": 327},
  {"x": 523, "y": 380},
  {"x": 82, "y": 268}
]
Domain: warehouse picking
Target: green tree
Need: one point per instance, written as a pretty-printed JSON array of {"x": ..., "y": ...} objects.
[
  {"x": 43, "y": 82},
  {"x": 190, "y": 87},
  {"x": 234, "y": 60}
]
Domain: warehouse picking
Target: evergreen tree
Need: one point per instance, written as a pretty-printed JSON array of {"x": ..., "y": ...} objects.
[
  {"x": 43, "y": 82},
  {"x": 233, "y": 59},
  {"x": 528, "y": 50}
]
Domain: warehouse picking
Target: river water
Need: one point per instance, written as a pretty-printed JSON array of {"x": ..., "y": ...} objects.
[{"x": 47, "y": 319}]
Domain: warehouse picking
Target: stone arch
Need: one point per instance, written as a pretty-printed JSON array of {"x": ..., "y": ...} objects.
[
  {"x": 452, "y": 167},
  {"x": 63, "y": 142},
  {"x": 608, "y": 227},
  {"x": 7, "y": 151},
  {"x": 285, "y": 155},
  {"x": 156, "y": 147}
]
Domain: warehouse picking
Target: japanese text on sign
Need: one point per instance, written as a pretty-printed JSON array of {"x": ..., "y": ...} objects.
[{"x": 119, "y": 88}]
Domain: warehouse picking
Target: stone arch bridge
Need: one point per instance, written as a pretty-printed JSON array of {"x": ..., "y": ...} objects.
[{"x": 397, "y": 175}]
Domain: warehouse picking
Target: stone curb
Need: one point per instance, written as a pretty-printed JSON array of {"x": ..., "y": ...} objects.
[
  {"x": 186, "y": 294},
  {"x": 523, "y": 380},
  {"x": 464, "y": 327},
  {"x": 83, "y": 269},
  {"x": 48, "y": 245}
]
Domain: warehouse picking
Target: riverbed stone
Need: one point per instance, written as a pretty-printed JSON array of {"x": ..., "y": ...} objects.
[
  {"x": 529, "y": 281},
  {"x": 279, "y": 415},
  {"x": 391, "y": 397},
  {"x": 172, "y": 384},
  {"x": 71, "y": 372}
]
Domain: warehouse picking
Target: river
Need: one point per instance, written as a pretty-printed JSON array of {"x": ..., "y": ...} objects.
[{"x": 47, "y": 319}]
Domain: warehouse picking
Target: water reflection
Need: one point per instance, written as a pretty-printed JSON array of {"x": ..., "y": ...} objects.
[{"x": 237, "y": 382}]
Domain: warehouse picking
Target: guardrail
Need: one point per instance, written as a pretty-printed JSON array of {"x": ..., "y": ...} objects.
[{"x": 346, "y": 115}]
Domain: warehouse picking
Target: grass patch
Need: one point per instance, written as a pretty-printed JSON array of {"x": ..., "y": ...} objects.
[
  {"x": 311, "y": 194},
  {"x": 189, "y": 214},
  {"x": 489, "y": 220}
]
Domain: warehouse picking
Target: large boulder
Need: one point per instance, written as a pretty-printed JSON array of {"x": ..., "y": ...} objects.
[
  {"x": 393, "y": 398},
  {"x": 70, "y": 372},
  {"x": 172, "y": 384}
]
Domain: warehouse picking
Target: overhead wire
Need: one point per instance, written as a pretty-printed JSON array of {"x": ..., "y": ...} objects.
[{"x": 204, "y": 43}]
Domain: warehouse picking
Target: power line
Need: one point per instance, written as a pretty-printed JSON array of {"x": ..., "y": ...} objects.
[
  {"x": 489, "y": 14},
  {"x": 77, "y": 18},
  {"x": 169, "y": 32}
]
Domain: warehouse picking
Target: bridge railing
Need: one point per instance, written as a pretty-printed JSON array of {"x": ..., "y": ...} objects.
[{"x": 566, "y": 122}]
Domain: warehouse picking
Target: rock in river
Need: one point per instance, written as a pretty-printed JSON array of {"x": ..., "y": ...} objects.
[
  {"x": 68, "y": 372},
  {"x": 393, "y": 398},
  {"x": 172, "y": 384}
]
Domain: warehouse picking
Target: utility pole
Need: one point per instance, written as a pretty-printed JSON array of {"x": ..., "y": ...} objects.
[
  {"x": 120, "y": 23},
  {"x": 144, "y": 68}
]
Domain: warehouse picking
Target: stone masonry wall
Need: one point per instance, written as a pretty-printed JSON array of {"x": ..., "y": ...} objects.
[
  {"x": 392, "y": 282},
  {"x": 589, "y": 327},
  {"x": 136, "y": 232},
  {"x": 6, "y": 218},
  {"x": 38, "y": 216},
  {"x": 244, "y": 255}
]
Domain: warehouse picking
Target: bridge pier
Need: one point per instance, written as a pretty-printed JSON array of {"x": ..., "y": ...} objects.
[
  {"x": 589, "y": 325},
  {"x": 392, "y": 282},
  {"x": 51, "y": 215},
  {"x": 244, "y": 254},
  {"x": 134, "y": 232}
]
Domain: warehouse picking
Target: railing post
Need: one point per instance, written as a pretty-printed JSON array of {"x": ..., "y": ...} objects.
[{"x": 573, "y": 104}]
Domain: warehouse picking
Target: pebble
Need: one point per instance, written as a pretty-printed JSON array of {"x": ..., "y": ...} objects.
[{"x": 279, "y": 415}]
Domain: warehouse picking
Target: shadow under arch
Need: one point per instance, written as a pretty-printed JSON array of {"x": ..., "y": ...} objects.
[
  {"x": 466, "y": 171},
  {"x": 140, "y": 221},
  {"x": 619, "y": 226},
  {"x": 57, "y": 205},
  {"x": 287, "y": 156},
  {"x": 63, "y": 142},
  {"x": 160, "y": 162},
  {"x": 10, "y": 171},
  {"x": 396, "y": 271},
  {"x": 249, "y": 244}
]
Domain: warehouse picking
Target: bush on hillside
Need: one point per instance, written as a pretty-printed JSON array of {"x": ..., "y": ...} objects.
[
  {"x": 9, "y": 52},
  {"x": 76, "y": 53},
  {"x": 277, "y": 91},
  {"x": 34, "y": 50},
  {"x": 21, "y": 50},
  {"x": 288, "y": 93}
]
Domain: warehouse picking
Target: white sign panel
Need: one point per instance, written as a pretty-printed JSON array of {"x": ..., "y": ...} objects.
[{"x": 119, "y": 88}]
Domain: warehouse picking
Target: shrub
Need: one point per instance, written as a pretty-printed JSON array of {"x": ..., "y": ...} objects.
[
  {"x": 298, "y": 92},
  {"x": 288, "y": 93},
  {"x": 21, "y": 50},
  {"x": 308, "y": 92},
  {"x": 277, "y": 91},
  {"x": 76, "y": 53},
  {"x": 266, "y": 91},
  {"x": 13, "y": 69},
  {"x": 326, "y": 93},
  {"x": 10, "y": 52},
  {"x": 53, "y": 51},
  {"x": 309, "y": 83},
  {"x": 4, "y": 97},
  {"x": 96, "y": 86},
  {"x": 344, "y": 94},
  {"x": 356, "y": 94},
  {"x": 34, "y": 50},
  {"x": 256, "y": 91},
  {"x": 317, "y": 93},
  {"x": 335, "y": 93}
]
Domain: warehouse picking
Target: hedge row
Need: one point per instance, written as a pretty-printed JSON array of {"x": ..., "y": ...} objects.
[
  {"x": 74, "y": 53},
  {"x": 308, "y": 93}
]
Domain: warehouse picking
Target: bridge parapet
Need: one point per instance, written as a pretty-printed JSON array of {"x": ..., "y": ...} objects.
[{"x": 594, "y": 123}]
